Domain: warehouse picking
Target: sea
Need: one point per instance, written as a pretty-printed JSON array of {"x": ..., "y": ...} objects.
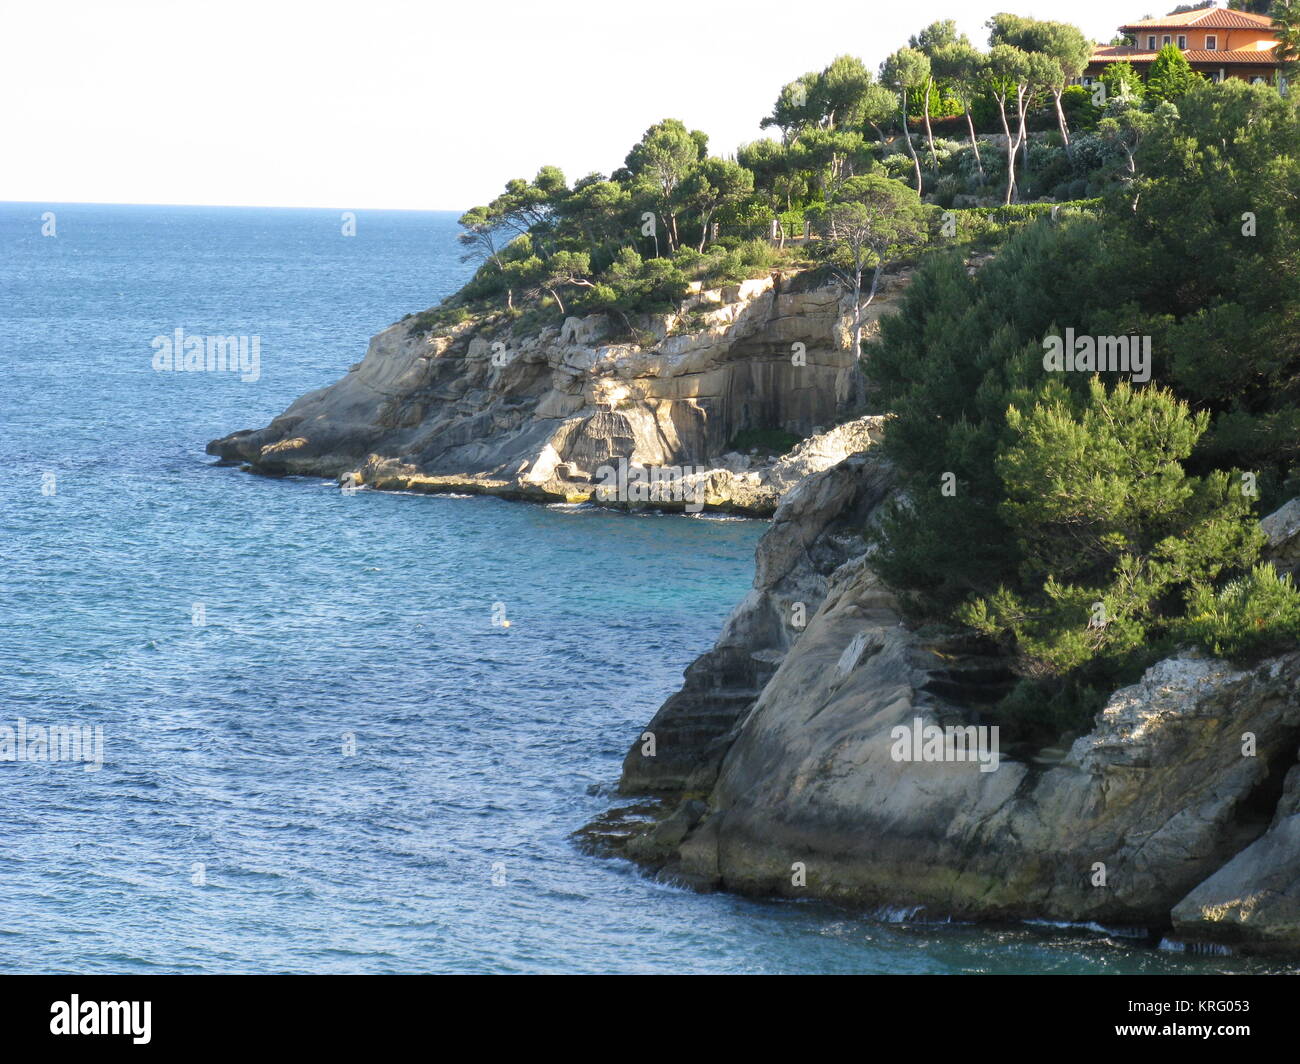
[{"x": 292, "y": 733}]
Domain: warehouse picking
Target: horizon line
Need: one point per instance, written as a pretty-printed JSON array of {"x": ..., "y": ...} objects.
[{"x": 252, "y": 206}]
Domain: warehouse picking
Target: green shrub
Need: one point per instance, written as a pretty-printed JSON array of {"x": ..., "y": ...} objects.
[
  {"x": 948, "y": 188},
  {"x": 1081, "y": 113},
  {"x": 899, "y": 166},
  {"x": 428, "y": 320},
  {"x": 1250, "y": 617},
  {"x": 988, "y": 226}
]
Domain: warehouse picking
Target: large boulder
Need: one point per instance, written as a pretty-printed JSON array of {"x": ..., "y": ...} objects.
[{"x": 1254, "y": 899}]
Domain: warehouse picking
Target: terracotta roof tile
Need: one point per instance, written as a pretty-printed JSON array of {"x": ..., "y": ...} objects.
[
  {"x": 1209, "y": 18},
  {"x": 1242, "y": 55},
  {"x": 1113, "y": 54}
]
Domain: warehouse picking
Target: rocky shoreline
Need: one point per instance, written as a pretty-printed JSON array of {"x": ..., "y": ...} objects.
[
  {"x": 469, "y": 409},
  {"x": 770, "y": 771},
  {"x": 1177, "y": 815}
]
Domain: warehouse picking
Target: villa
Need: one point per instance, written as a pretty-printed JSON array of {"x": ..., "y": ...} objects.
[{"x": 1217, "y": 42}]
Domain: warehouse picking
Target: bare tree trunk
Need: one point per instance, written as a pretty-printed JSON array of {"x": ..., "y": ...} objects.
[
  {"x": 1060, "y": 119},
  {"x": 1011, "y": 149},
  {"x": 907, "y": 135},
  {"x": 857, "y": 311},
  {"x": 860, "y": 304},
  {"x": 875, "y": 282},
  {"x": 704, "y": 233},
  {"x": 974, "y": 144},
  {"x": 1022, "y": 138},
  {"x": 929, "y": 133}
]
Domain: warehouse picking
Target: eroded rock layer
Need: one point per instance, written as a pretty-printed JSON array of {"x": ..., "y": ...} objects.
[{"x": 539, "y": 416}]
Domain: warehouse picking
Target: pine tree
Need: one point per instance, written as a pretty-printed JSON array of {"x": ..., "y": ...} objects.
[
  {"x": 1109, "y": 524},
  {"x": 1171, "y": 76}
]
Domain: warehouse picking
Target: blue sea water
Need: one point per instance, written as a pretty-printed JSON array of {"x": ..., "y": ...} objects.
[{"x": 346, "y": 767}]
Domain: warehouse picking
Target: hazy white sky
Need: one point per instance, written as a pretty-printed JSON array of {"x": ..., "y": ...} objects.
[{"x": 396, "y": 103}]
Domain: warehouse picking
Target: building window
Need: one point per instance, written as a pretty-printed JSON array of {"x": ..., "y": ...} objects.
[
  {"x": 1151, "y": 42},
  {"x": 1211, "y": 42},
  {"x": 1182, "y": 43}
]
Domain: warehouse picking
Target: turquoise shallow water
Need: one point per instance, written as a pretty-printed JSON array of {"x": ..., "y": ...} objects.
[{"x": 442, "y": 842}]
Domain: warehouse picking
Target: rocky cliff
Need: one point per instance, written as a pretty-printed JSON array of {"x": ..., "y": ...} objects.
[
  {"x": 1178, "y": 813},
  {"x": 478, "y": 408},
  {"x": 776, "y": 768},
  {"x": 814, "y": 531}
]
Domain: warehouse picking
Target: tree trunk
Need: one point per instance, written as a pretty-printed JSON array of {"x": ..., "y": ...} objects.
[
  {"x": 860, "y": 304},
  {"x": 556, "y": 296},
  {"x": 857, "y": 311},
  {"x": 1022, "y": 136},
  {"x": 875, "y": 282},
  {"x": 974, "y": 144},
  {"x": 929, "y": 133},
  {"x": 1012, "y": 148},
  {"x": 907, "y": 135},
  {"x": 1060, "y": 119},
  {"x": 704, "y": 234}
]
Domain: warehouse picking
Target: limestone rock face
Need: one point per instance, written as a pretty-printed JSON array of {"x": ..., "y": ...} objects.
[
  {"x": 1158, "y": 796},
  {"x": 815, "y": 529},
  {"x": 1254, "y": 899},
  {"x": 539, "y": 416},
  {"x": 1180, "y": 808},
  {"x": 1283, "y": 530}
]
